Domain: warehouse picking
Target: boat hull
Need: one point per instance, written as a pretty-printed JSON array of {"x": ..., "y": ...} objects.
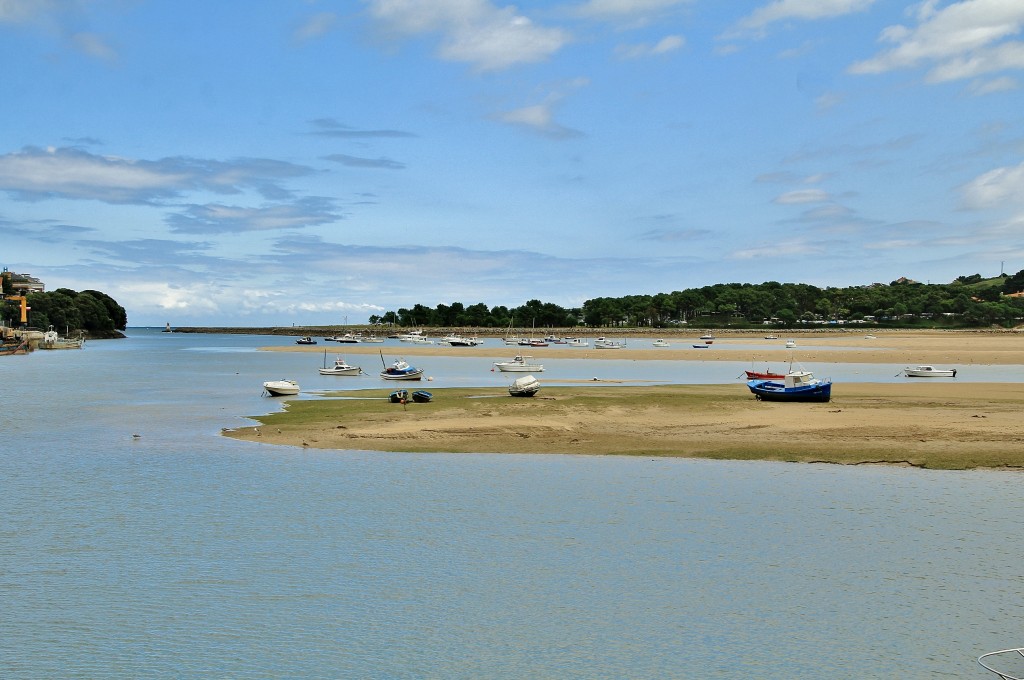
[
  {"x": 767, "y": 390},
  {"x": 281, "y": 388},
  {"x": 410, "y": 375},
  {"x": 351, "y": 370},
  {"x": 422, "y": 396}
]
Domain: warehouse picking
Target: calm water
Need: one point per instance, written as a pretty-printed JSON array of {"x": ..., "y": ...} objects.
[{"x": 180, "y": 553}]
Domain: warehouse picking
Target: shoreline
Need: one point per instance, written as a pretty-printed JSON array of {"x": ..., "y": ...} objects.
[{"x": 935, "y": 423}]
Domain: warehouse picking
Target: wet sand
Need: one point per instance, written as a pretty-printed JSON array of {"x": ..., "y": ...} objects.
[{"x": 935, "y": 423}]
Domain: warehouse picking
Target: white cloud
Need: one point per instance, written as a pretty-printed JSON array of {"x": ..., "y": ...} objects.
[
  {"x": 1002, "y": 84},
  {"x": 472, "y": 31},
  {"x": 778, "y": 250},
  {"x": 994, "y": 188},
  {"x": 667, "y": 44},
  {"x": 615, "y": 9},
  {"x": 93, "y": 45},
  {"x": 801, "y": 196},
  {"x": 962, "y": 40},
  {"x": 316, "y": 26},
  {"x": 756, "y": 23}
]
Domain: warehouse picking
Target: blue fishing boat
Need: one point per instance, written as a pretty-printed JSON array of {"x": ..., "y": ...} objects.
[
  {"x": 400, "y": 370},
  {"x": 422, "y": 396},
  {"x": 796, "y": 386},
  {"x": 399, "y": 396}
]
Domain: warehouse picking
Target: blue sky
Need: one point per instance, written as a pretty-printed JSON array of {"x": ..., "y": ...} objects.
[{"x": 252, "y": 163}]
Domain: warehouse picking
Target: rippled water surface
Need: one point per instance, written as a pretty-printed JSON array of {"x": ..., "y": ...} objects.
[{"x": 179, "y": 553}]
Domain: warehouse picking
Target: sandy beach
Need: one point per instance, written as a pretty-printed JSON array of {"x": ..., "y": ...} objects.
[{"x": 935, "y": 424}]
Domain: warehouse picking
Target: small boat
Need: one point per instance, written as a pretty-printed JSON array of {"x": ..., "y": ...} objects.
[
  {"x": 660, "y": 343},
  {"x": 461, "y": 341},
  {"x": 527, "y": 386},
  {"x": 577, "y": 342},
  {"x": 790, "y": 344},
  {"x": 281, "y": 388},
  {"x": 339, "y": 367},
  {"x": 349, "y": 338},
  {"x": 306, "y": 340},
  {"x": 12, "y": 348},
  {"x": 553, "y": 340},
  {"x": 399, "y": 396},
  {"x": 771, "y": 336},
  {"x": 51, "y": 340},
  {"x": 605, "y": 343},
  {"x": 797, "y": 386},
  {"x": 929, "y": 372},
  {"x": 519, "y": 365},
  {"x": 702, "y": 346},
  {"x": 764, "y": 375},
  {"x": 422, "y": 396},
  {"x": 400, "y": 370},
  {"x": 1005, "y": 658},
  {"x": 372, "y": 338},
  {"x": 707, "y": 337}
]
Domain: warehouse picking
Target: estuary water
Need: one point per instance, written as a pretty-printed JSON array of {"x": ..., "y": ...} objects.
[{"x": 137, "y": 542}]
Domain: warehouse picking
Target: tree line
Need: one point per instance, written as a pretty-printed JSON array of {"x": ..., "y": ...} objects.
[
  {"x": 968, "y": 301},
  {"x": 91, "y": 311}
]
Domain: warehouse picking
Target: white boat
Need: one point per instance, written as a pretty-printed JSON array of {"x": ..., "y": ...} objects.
[
  {"x": 51, "y": 340},
  {"x": 577, "y": 342},
  {"x": 461, "y": 341},
  {"x": 281, "y": 388},
  {"x": 349, "y": 338},
  {"x": 1004, "y": 663},
  {"x": 339, "y": 368},
  {"x": 527, "y": 386},
  {"x": 605, "y": 343},
  {"x": 660, "y": 343},
  {"x": 519, "y": 365},
  {"x": 771, "y": 336},
  {"x": 401, "y": 370},
  {"x": 372, "y": 338},
  {"x": 707, "y": 336},
  {"x": 929, "y": 372},
  {"x": 790, "y": 344}
]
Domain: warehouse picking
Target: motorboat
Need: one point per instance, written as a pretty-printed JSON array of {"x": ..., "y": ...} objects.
[
  {"x": 519, "y": 365},
  {"x": 281, "y": 388},
  {"x": 577, "y": 342},
  {"x": 660, "y": 343},
  {"x": 422, "y": 396},
  {"x": 372, "y": 338},
  {"x": 401, "y": 370},
  {"x": 554, "y": 340},
  {"x": 51, "y": 340},
  {"x": 605, "y": 343},
  {"x": 771, "y": 336},
  {"x": 340, "y": 367},
  {"x": 929, "y": 372},
  {"x": 349, "y": 338},
  {"x": 461, "y": 341},
  {"x": 764, "y": 375},
  {"x": 527, "y": 386},
  {"x": 701, "y": 346},
  {"x": 707, "y": 336},
  {"x": 305, "y": 340},
  {"x": 796, "y": 386},
  {"x": 399, "y": 397},
  {"x": 790, "y": 344}
]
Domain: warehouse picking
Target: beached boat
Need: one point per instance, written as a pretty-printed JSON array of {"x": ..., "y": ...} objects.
[
  {"x": 929, "y": 372},
  {"x": 422, "y": 396},
  {"x": 400, "y": 370},
  {"x": 306, "y": 340},
  {"x": 518, "y": 365},
  {"x": 527, "y": 386},
  {"x": 339, "y": 367},
  {"x": 1005, "y": 659},
  {"x": 660, "y": 343},
  {"x": 14, "y": 347},
  {"x": 399, "y": 397},
  {"x": 796, "y": 386},
  {"x": 281, "y": 388}
]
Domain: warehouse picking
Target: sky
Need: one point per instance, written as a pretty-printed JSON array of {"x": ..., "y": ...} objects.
[{"x": 239, "y": 163}]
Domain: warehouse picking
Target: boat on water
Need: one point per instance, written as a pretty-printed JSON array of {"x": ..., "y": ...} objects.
[
  {"x": 661, "y": 343},
  {"x": 348, "y": 338},
  {"x": 1004, "y": 659},
  {"x": 372, "y": 338},
  {"x": 12, "y": 348},
  {"x": 461, "y": 341},
  {"x": 422, "y": 396},
  {"x": 527, "y": 386},
  {"x": 764, "y": 375},
  {"x": 605, "y": 343},
  {"x": 925, "y": 371},
  {"x": 577, "y": 342},
  {"x": 771, "y": 336},
  {"x": 281, "y": 388},
  {"x": 554, "y": 340},
  {"x": 401, "y": 370},
  {"x": 340, "y": 367},
  {"x": 519, "y": 365},
  {"x": 796, "y": 386},
  {"x": 707, "y": 336},
  {"x": 305, "y": 340},
  {"x": 790, "y": 344},
  {"x": 51, "y": 340},
  {"x": 701, "y": 346}
]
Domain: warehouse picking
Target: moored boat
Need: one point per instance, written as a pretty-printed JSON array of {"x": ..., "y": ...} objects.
[
  {"x": 1005, "y": 659},
  {"x": 605, "y": 343},
  {"x": 305, "y": 340},
  {"x": 796, "y": 386},
  {"x": 340, "y": 367},
  {"x": 527, "y": 386},
  {"x": 281, "y": 388},
  {"x": 764, "y": 375},
  {"x": 660, "y": 343},
  {"x": 925, "y": 371},
  {"x": 519, "y": 365},
  {"x": 401, "y": 370}
]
